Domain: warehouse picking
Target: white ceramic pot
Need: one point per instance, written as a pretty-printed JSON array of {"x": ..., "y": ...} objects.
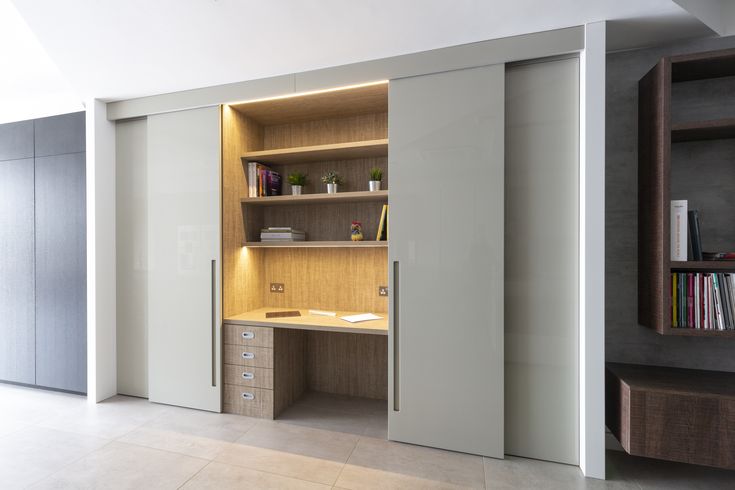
[
  {"x": 296, "y": 190},
  {"x": 374, "y": 185},
  {"x": 331, "y": 188}
]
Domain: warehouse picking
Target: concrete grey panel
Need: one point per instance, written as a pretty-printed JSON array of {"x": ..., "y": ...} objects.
[
  {"x": 57, "y": 135},
  {"x": 702, "y": 172},
  {"x": 17, "y": 333},
  {"x": 61, "y": 272},
  {"x": 16, "y": 140}
]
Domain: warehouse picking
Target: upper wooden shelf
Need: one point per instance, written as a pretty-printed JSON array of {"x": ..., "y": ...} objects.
[
  {"x": 703, "y": 130},
  {"x": 343, "y": 102},
  {"x": 321, "y": 153},
  {"x": 700, "y": 66},
  {"x": 319, "y": 244},
  {"x": 361, "y": 196},
  {"x": 695, "y": 332},
  {"x": 312, "y": 322},
  {"x": 704, "y": 265}
]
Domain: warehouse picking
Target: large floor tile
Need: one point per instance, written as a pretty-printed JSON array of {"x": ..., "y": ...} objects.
[
  {"x": 306, "y": 453},
  {"x": 29, "y": 406},
  {"x": 110, "y": 419},
  {"x": 378, "y": 463},
  {"x": 218, "y": 476},
  {"x": 33, "y": 453},
  {"x": 126, "y": 466},
  {"x": 191, "y": 432},
  {"x": 531, "y": 474}
]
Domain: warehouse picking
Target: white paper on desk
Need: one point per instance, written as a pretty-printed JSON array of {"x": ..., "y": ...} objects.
[{"x": 363, "y": 317}]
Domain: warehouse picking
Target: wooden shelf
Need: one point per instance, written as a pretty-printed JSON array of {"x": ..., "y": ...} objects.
[
  {"x": 361, "y": 196},
  {"x": 312, "y": 322},
  {"x": 318, "y": 244},
  {"x": 706, "y": 265},
  {"x": 321, "y": 153},
  {"x": 699, "y": 66},
  {"x": 693, "y": 332},
  {"x": 703, "y": 130}
]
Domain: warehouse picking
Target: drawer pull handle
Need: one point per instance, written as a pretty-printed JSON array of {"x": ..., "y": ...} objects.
[
  {"x": 248, "y": 355},
  {"x": 248, "y": 335},
  {"x": 247, "y": 375},
  {"x": 248, "y": 396}
]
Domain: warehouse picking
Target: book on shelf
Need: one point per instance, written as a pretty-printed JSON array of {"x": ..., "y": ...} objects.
[
  {"x": 718, "y": 255},
  {"x": 262, "y": 181},
  {"x": 694, "y": 235},
  {"x": 281, "y": 234},
  {"x": 703, "y": 300},
  {"x": 383, "y": 226},
  {"x": 679, "y": 230}
]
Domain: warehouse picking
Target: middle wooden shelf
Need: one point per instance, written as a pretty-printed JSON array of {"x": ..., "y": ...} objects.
[
  {"x": 320, "y": 198},
  {"x": 319, "y": 153}
]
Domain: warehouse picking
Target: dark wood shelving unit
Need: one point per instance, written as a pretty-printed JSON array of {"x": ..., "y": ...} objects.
[{"x": 656, "y": 133}]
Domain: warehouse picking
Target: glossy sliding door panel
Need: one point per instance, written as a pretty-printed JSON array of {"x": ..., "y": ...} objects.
[
  {"x": 541, "y": 261},
  {"x": 17, "y": 330},
  {"x": 184, "y": 258},
  {"x": 446, "y": 163},
  {"x": 61, "y": 278}
]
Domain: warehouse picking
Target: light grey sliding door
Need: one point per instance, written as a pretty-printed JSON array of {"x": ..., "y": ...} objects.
[
  {"x": 61, "y": 282},
  {"x": 184, "y": 258},
  {"x": 446, "y": 164},
  {"x": 17, "y": 330},
  {"x": 542, "y": 256}
]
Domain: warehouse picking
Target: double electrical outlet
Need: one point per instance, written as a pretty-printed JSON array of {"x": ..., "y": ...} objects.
[{"x": 277, "y": 287}]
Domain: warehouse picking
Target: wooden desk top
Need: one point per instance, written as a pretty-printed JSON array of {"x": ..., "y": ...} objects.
[{"x": 312, "y": 322}]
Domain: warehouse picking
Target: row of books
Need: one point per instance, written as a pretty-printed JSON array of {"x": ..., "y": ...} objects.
[
  {"x": 281, "y": 234},
  {"x": 703, "y": 301},
  {"x": 262, "y": 181}
]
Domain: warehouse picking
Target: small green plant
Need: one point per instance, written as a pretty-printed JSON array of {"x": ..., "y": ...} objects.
[
  {"x": 297, "y": 178},
  {"x": 331, "y": 177},
  {"x": 376, "y": 174}
]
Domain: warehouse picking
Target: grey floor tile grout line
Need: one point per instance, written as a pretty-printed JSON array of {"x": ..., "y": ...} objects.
[
  {"x": 194, "y": 475},
  {"x": 65, "y": 466},
  {"x": 344, "y": 465}
]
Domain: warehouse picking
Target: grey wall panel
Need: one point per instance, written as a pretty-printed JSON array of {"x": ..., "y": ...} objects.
[
  {"x": 446, "y": 163},
  {"x": 61, "y": 292},
  {"x": 131, "y": 195},
  {"x": 541, "y": 260},
  {"x": 16, "y": 140},
  {"x": 60, "y": 134},
  {"x": 17, "y": 335},
  {"x": 702, "y": 172}
]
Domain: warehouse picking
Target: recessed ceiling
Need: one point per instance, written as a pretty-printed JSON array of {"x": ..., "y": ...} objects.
[{"x": 121, "y": 49}]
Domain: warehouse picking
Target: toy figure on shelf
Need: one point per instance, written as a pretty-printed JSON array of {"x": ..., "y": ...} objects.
[{"x": 356, "y": 231}]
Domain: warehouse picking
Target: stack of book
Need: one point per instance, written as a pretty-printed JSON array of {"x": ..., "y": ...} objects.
[
  {"x": 281, "y": 234},
  {"x": 703, "y": 301},
  {"x": 262, "y": 181}
]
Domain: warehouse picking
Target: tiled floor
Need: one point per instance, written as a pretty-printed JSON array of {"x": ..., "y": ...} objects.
[{"x": 56, "y": 441}]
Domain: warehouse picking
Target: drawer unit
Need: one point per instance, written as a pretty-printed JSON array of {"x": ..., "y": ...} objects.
[
  {"x": 248, "y": 335},
  {"x": 248, "y": 376},
  {"x": 244, "y": 400},
  {"x": 245, "y": 355}
]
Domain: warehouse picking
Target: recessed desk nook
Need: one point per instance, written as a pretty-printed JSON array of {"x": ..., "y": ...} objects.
[{"x": 287, "y": 251}]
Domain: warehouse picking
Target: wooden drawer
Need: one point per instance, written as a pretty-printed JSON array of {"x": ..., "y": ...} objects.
[
  {"x": 245, "y": 355},
  {"x": 248, "y": 335},
  {"x": 244, "y": 400},
  {"x": 249, "y": 376}
]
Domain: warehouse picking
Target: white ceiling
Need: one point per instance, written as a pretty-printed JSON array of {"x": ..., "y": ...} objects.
[
  {"x": 112, "y": 49},
  {"x": 30, "y": 85}
]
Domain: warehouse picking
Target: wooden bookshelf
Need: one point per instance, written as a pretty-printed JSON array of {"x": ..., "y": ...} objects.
[
  {"x": 656, "y": 133},
  {"x": 703, "y": 130},
  {"x": 318, "y": 244},
  {"x": 318, "y": 153},
  {"x": 322, "y": 198}
]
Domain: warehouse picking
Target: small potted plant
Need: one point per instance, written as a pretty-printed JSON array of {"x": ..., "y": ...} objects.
[
  {"x": 332, "y": 179},
  {"x": 297, "y": 181},
  {"x": 376, "y": 175}
]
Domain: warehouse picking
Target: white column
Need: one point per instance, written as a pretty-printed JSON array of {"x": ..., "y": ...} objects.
[
  {"x": 592, "y": 253},
  {"x": 101, "y": 324}
]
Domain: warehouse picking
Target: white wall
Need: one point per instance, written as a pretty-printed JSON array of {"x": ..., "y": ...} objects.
[
  {"x": 132, "y": 257},
  {"x": 592, "y": 253},
  {"x": 101, "y": 281}
]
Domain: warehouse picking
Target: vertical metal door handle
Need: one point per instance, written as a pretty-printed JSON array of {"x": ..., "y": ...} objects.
[
  {"x": 214, "y": 322},
  {"x": 395, "y": 288}
]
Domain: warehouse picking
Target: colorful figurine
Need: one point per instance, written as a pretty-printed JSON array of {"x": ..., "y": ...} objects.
[{"x": 356, "y": 231}]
